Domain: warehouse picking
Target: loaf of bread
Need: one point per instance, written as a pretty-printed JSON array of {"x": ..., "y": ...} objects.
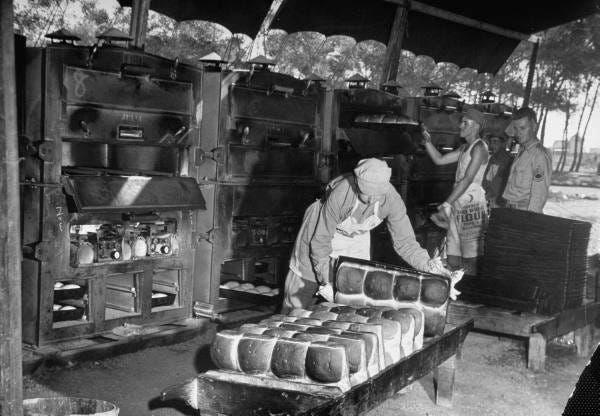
[
  {"x": 263, "y": 289},
  {"x": 254, "y": 353},
  {"x": 366, "y": 285},
  {"x": 224, "y": 350},
  {"x": 230, "y": 285},
  {"x": 300, "y": 313}
]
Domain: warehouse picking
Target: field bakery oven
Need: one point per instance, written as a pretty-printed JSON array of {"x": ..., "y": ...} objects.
[
  {"x": 109, "y": 206},
  {"x": 259, "y": 162}
]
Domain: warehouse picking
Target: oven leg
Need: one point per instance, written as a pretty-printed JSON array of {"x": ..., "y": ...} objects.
[
  {"x": 536, "y": 352},
  {"x": 584, "y": 340},
  {"x": 443, "y": 381}
]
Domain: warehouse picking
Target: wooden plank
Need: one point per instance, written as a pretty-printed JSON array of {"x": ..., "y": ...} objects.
[
  {"x": 530, "y": 74},
  {"x": 214, "y": 396},
  {"x": 394, "y": 47},
  {"x": 218, "y": 397},
  {"x": 139, "y": 22},
  {"x": 325, "y": 390},
  {"x": 463, "y": 20},
  {"x": 567, "y": 321},
  {"x": 11, "y": 384},
  {"x": 499, "y": 320}
]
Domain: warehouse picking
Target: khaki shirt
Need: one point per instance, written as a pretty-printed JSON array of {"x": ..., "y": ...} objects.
[{"x": 529, "y": 178}]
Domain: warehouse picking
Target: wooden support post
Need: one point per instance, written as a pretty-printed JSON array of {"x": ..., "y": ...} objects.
[
  {"x": 394, "y": 46},
  {"x": 529, "y": 85},
  {"x": 11, "y": 379},
  {"x": 443, "y": 381},
  {"x": 583, "y": 340},
  {"x": 139, "y": 22},
  {"x": 536, "y": 352},
  {"x": 276, "y": 5}
]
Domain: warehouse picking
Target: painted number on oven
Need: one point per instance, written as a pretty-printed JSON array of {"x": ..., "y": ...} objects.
[
  {"x": 79, "y": 78},
  {"x": 60, "y": 217}
]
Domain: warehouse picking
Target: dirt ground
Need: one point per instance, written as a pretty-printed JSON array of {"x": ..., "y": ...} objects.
[{"x": 491, "y": 378}]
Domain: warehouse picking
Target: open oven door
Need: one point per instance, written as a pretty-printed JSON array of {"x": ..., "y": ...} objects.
[{"x": 133, "y": 193}]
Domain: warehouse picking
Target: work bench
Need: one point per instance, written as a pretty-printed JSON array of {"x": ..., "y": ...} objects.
[
  {"x": 214, "y": 396},
  {"x": 537, "y": 329}
]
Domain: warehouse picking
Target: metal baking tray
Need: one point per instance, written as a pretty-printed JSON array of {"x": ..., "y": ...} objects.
[{"x": 251, "y": 297}]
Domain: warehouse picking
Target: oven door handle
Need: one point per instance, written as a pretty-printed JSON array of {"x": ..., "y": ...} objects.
[{"x": 208, "y": 236}]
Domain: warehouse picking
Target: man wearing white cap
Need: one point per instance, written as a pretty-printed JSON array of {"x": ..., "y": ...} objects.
[
  {"x": 466, "y": 207},
  {"x": 339, "y": 225}
]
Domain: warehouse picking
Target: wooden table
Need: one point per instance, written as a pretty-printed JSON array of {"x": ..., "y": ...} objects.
[
  {"x": 439, "y": 354},
  {"x": 537, "y": 329}
]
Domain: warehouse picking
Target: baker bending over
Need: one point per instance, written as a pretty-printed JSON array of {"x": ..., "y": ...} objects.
[{"x": 340, "y": 225}]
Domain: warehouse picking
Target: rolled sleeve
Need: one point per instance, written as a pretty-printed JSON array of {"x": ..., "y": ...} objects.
[{"x": 320, "y": 243}]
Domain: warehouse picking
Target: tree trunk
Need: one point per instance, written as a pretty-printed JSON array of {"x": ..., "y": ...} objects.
[
  {"x": 543, "y": 128},
  {"x": 563, "y": 154},
  {"x": 577, "y": 135},
  {"x": 587, "y": 123}
]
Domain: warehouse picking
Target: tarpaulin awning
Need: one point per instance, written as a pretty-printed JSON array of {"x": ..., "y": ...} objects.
[
  {"x": 426, "y": 34},
  {"x": 237, "y": 16},
  {"x": 441, "y": 39}
]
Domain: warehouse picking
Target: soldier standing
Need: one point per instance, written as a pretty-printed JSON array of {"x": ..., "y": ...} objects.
[{"x": 529, "y": 179}]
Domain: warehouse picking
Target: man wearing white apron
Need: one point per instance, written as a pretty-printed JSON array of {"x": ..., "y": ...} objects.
[
  {"x": 466, "y": 207},
  {"x": 340, "y": 225}
]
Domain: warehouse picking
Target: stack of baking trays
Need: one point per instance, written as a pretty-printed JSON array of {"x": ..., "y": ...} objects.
[
  {"x": 328, "y": 348},
  {"x": 532, "y": 262}
]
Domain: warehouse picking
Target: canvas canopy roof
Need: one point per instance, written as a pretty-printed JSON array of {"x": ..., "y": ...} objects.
[{"x": 426, "y": 34}]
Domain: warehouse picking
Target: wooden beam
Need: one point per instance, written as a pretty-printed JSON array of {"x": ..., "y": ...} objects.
[
  {"x": 276, "y": 5},
  {"x": 139, "y": 22},
  {"x": 11, "y": 379},
  {"x": 530, "y": 74},
  {"x": 394, "y": 46},
  {"x": 463, "y": 20}
]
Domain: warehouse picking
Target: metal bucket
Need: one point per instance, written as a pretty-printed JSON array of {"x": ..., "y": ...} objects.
[{"x": 68, "y": 406}]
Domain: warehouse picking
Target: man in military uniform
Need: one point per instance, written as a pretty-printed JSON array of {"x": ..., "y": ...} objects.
[
  {"x": 497, "y": 171},
  {"x": 530, "y": 173}
]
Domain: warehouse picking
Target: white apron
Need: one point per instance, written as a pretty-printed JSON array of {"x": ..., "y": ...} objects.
[{"x": 352, "y": 239}]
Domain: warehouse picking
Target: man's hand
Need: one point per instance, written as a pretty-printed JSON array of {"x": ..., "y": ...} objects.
[
  {"x": 446, "y": 208},
  {"x": 326, "y": 292},
  {"x": 426, "y": 134},
  {"x": 436, "y": 266}
]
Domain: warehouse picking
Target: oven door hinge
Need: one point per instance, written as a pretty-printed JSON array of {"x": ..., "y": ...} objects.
[
  {"x": 46, "y": 151},
  {"x": 43, "y": 251},
  {"x": 217, "y": 155}
]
